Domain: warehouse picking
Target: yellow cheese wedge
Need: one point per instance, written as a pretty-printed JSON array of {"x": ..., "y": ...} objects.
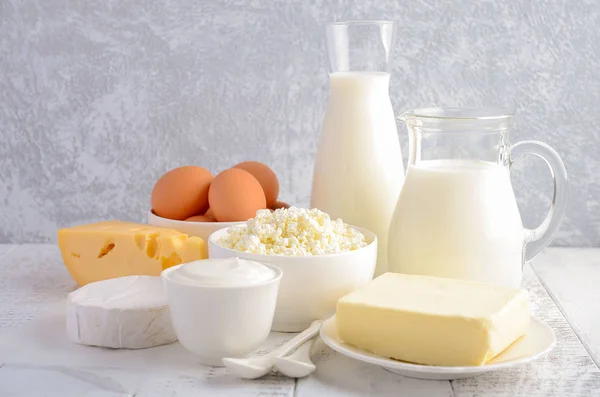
[
  {"x": 111, "y": 249},
  {"x": 431, "y": 320}
]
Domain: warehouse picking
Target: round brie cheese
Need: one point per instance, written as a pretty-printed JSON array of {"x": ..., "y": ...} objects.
[{"x": 126, "y": 312}]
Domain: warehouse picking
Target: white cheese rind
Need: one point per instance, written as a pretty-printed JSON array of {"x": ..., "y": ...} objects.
[{"x": 127, "y": 312}]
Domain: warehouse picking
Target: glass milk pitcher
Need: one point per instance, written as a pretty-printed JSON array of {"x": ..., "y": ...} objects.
[
  {"x": 358, "y": 170},
  {"x": 457, "y": 214}
]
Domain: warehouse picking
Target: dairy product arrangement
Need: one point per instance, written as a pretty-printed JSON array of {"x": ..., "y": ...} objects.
[{"x": 445, "y": 244}]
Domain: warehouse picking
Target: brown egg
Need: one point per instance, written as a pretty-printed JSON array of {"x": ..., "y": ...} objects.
[
  {"x": 209, "y": 213},
  {"x": 235, "y": 195},
  {"x": 182, "y": 192},
  {"x": 280, "y": 204},
  {"x": 266, "y": 177},
  {"x": 200, "y": 218}
]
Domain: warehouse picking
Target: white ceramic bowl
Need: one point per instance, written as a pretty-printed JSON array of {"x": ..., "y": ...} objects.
[
  {"x": 198, "y": 229},
  {"x": 311, "y": 285},
  {"x": 216, "y": 322}
]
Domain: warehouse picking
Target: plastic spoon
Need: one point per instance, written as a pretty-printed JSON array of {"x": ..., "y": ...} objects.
[
  {"x": 256, "y": 367},
  {"x": 297, "y": 364}
]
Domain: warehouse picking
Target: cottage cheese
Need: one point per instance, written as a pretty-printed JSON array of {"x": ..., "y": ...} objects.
[{"x": 293, "y": 232}]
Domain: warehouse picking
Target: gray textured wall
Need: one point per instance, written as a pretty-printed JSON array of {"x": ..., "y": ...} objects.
[{"x": 98, "y": 98}]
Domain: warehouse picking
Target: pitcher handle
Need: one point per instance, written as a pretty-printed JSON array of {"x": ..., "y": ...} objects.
[{"x": 537, "y": 239}]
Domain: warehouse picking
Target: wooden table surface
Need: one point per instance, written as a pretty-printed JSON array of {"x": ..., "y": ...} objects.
[{"x": 564, "y": 284}]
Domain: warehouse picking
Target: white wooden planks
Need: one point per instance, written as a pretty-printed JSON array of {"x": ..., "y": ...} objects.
[
  {"x": 33, "y": 276},
  {"x": 339, "y": 376},
  {"x": 5, "y": 248},
  {"x": 32, "y": 380},
  {"x": 572, "y": 276}
]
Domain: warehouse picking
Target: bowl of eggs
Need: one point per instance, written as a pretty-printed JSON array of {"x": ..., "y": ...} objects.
[{"x": 190, "y": 200}]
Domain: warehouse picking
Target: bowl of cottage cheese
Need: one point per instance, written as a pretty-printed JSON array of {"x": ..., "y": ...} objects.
[{"x": 322, "y": 259}]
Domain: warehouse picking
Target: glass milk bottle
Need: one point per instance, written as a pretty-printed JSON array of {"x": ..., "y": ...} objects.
[
  {"x": 359, "y": 171},
  {"x": 457, "y": 215}
]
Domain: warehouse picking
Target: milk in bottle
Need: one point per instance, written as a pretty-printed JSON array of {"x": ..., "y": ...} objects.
[{"x": 359, "y": 171}]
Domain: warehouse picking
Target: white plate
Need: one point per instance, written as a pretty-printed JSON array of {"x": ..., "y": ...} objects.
[{"x": 538, "y": 341}]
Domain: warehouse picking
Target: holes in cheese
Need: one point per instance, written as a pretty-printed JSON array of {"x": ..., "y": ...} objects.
[
  {"x": 151, "y": 245},
  {"x": 105, "y": 250},
  {"x": 172, "y": 260}
]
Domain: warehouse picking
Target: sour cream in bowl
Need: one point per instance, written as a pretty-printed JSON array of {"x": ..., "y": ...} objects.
[{"x": 222, "y": 307}]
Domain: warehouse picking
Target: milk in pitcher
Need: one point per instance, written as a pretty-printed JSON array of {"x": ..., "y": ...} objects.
[
  {"x": 457, "y": 214},
  {"x": 458, "y": 219}
]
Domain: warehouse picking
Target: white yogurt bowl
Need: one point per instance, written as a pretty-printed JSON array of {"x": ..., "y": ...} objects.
[
  {"x": 215, "y": 321},
  {"x": 311, "y": 285},
  {"x": 198, "y": 229}
]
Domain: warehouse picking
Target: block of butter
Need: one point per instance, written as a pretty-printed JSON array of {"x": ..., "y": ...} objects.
[
  {"x": 111, "y": 249},
  {"x": 431, "y": 320}
]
